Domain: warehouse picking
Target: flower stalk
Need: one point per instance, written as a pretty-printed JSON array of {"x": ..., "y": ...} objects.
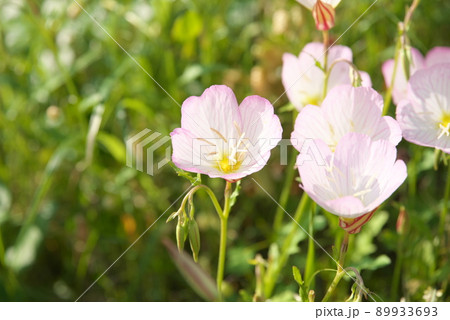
[
  {"x": 223, "y": 238},
  {"x": 340, "y": 272}
]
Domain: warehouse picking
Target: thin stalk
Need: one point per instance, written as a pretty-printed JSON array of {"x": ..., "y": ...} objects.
[
  {"x": 340, "y": 269},
  {"x": 223, "y": 239},
  {"x": 273, "y": 273},
  {"x": 397, "y": 268},
  {"x": 400, "y": 44},
  {"x": 310, "y": 256},
  {"x": 388, "y": 96},
  {"x": 284, "y": 197},
  {"x": 445, "y": 205}
]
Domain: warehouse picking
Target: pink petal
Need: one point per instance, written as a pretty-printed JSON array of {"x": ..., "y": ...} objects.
[
  {"x": 311, "y": 124},
  {"x": 216, "y": 108},
  {"x": 437, "y": 55}
]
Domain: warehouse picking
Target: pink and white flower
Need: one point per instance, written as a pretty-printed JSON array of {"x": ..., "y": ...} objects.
[
  {"x": 221, "y": 139},
  {"x": 345, "y": 109},
  {"x": 356, "y": 178},
  {"x": 309, "y": 4},
  {"x": 435, "y": 56},
  {"x": 304, "y": 81},
  {"x": 425, "y": 115}
]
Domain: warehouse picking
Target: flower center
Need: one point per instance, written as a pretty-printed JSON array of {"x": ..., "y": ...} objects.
[
  {"x": 228, "y": 164},
  {"x": 311, "y": 99},
  {"x": 231, "y": 155},
  {"x": 444, "y": 126}
]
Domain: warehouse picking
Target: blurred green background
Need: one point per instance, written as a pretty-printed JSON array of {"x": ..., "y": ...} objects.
[{"x": 70, "y": 97}]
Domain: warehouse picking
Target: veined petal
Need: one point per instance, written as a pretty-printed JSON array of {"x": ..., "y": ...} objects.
[
  {"x": 261, "y": 127},
  {"x": 311, "y": 124},
  {"x": 291, "y": 78},
  {"x": 425, "y": 116},
  {"x": 340, "y": 74},
  {"x": 214, "y": 112}
]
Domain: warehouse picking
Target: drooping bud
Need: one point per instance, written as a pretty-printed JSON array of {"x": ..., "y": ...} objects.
[
  {"x": 323, "y": 14},
  {"x": 181, "y": 234},
  {"x": 194, "y": 239},
  {"x": 353, "y": 225}
]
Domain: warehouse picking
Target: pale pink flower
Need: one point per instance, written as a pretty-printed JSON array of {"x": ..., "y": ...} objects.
[
  {"x": 359, "y": 176},
  {"x": 304, "y": 80},
  {"x": 425, "y": 115},
  {"x": 221, "y": 139},
  {"x": 309, "y": 4},
  {"x": 435, "y": 56},
  {"x": 345, "y": 109}
]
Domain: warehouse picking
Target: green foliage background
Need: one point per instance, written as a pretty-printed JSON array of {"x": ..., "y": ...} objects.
[{"x": 70, "y": 97}]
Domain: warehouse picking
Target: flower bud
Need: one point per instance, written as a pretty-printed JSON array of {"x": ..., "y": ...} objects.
[
  {"x": 323, "y": 14},
  {"x": 194, "y": 239},
  {"x": 181, "y": 234},
  {"x": 353, "y": 225}
]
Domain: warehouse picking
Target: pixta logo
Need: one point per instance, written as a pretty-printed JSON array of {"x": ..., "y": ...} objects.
[{"x": 141, "y": 150}]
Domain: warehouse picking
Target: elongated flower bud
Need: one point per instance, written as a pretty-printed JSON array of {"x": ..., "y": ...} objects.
[
  {"x": 194, "y": 239},
  {"x": 323, "y": 14}
]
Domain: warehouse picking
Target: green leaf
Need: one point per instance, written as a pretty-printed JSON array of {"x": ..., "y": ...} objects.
[
  {"x": 198, "y": 279},
  {"x": 297, "y": 275}
]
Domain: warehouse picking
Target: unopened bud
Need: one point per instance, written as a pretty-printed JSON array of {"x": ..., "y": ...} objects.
[
  {"x": 181, "y": 234},
  {"x": 323, "y": 14},
  {"x": 194, "y": 239}
]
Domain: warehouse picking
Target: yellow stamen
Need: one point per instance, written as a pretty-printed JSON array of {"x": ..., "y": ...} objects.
[
  {"x": 444, "y": 125},
  {"x": 227, "y": 164}
]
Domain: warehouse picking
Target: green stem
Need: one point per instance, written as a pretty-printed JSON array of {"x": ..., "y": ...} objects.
[
  {"x": 223, "y": 239},
  {"x": 340, "y": 269},
  {"x": 284, "y": 197},
  {"x": 412, "y": 171},
  {"x": 397, "y": 268},
  {"x": 274, "y": 269},
  {"x": 388, "y": 97},
  {"x": 445, "y": 205},
  {"x": 210, "y": 193},
  {"x": 310, "y": 256}
]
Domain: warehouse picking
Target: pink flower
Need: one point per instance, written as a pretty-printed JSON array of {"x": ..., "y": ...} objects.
[
  {"x": 221, "y": 139},
  {"x": 304, "y": 80},
  {"x": 359, "y": 176},
  {"x": 345, "y": 109},
  {"x": 435, "y": 56},
  {"x": 309, "y": 4},
  {"x": 425, "y": 115}
]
